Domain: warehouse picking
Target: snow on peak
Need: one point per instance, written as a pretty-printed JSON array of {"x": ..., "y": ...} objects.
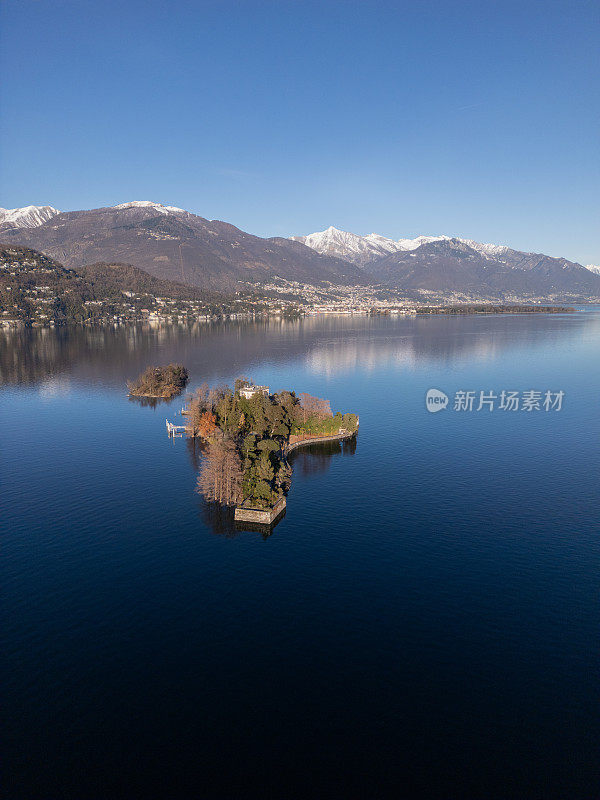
[
  {"x": 149, "y": 204},
  {"x": 350, "y": 246},
  {"x": 593, "y": 268},
  {"x": 412, "y": 244},
  {"x": 486, "y": 249},
  {"x": 382, "y": 242},
  {"x": 28, "y": 216},
  {"x": 362, "y": 249}
]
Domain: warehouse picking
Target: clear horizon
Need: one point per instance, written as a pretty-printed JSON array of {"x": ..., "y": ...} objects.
[{"x": 284, "y": 118}]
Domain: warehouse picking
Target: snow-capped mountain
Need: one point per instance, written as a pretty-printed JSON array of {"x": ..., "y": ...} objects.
[
  {"x": 171, "y": 243},
  {"x": 412, "y": 244},
  {"x": 349, "y": 246},
  {"x": 33, "y": 216},
  {"x": 593, "y": 268},
  {"x": 360, "y": 249},
  {"x": 149, "y": 204},
  {"x": 450, "y": 264},
  {"x": 363, "y": 249},
  {"x": 28, "y": 216}
]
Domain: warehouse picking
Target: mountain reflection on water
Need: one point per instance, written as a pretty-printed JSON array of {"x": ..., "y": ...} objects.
[
  {"x": 424, "y": 618},
  {"x": 327, "y": 345}
]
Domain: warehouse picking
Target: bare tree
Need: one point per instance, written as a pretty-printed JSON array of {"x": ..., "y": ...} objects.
[
  {"x": 217, "y": 393},
  {"x": 220, "y": 478},
  {"x": 194, "y": 413},
  {"x": 201, "y": 395},
  {"x": 197, "y": 406},
  {"x": 314, "y": 407}
]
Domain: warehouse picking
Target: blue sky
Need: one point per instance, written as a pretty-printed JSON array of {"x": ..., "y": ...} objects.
[{"x": 478, "y": 119}]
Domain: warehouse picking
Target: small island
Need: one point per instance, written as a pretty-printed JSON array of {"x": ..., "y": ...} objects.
[
  {"x": 160, "y": 382},
  {"x": 247, "y": 434}
]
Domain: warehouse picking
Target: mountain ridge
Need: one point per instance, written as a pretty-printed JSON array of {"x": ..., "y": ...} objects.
[
  {"x": 356, "y": 244},
  {"x": 452, "y": 266},
  {"x": 173, "y": 244},
  {"x": 27, "y": 216},
  {"x": 36, "y": 289},
  {"x": 455, "y": 265}
]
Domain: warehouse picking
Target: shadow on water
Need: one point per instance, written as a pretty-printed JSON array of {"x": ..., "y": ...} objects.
[
  {"x": 310, "y": 460},
  {"x": 151, "y": 402},
  {"x": 315, "y": 459},
  {"x": 220, "y": 520},
  {"x": 256, "y": 527},
  {"x": 195, "y": 449}
]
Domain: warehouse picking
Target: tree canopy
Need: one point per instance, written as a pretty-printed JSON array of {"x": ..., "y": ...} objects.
[
  {"x": 160, "y": 381},
  {"x": 257, "y": 429}
]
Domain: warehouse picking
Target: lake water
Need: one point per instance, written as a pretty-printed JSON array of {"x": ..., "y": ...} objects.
[{"x": 423, "y": 622}]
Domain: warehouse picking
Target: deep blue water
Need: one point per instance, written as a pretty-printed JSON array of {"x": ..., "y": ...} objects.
[{"x": 423, "y": 622}]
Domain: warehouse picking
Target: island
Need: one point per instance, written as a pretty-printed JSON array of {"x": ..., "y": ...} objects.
[
  {"x": 159, "y": 382},
  {"x": 247, "y": 433}
]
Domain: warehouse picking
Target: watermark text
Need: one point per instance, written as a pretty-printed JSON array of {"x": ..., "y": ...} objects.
[{"x": 486, "y": 400}]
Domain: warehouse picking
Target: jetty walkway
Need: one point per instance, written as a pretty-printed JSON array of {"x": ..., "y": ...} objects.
[{"x": 308, "y": 439}]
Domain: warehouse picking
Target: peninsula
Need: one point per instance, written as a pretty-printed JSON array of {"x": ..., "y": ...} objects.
[{"x": 247, "y": 434}]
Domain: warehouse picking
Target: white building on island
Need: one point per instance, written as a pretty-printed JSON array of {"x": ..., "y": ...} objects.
[{"x": 250, "y": 391}]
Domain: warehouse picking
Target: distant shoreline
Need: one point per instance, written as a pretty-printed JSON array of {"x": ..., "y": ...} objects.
[
  {"x": 496, "y": 309},
  {"x": 449, "y": 310}
]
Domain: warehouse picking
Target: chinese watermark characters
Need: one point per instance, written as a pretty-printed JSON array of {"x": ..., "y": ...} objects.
[{"x": 527, "y": 401}]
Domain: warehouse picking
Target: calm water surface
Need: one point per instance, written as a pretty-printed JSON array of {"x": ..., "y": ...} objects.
[{"x": 424, "y": 621}]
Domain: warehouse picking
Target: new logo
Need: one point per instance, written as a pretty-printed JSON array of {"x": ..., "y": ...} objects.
[{"x": 435, "y": 400}]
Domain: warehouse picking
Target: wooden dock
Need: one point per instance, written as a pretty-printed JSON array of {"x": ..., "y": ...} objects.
[{"x": 175, "y": 430}]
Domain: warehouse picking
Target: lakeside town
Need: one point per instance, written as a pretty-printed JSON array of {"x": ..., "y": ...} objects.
[{"x": 36, "y": 291}]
